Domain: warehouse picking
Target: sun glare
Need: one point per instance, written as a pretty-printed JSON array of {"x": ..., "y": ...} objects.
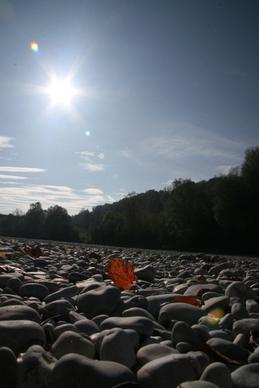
[{"x": 61, "y": 91}]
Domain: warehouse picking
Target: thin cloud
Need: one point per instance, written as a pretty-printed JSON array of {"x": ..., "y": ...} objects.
[
  {"x": 92, "y": 167},
  {"x": 5, "y": 142},
  {"x": 21, "y": 169},
  {"x": 92, "y": 191},
  {"x": 89, "y": 161},
  {"x": 13, "y": 177},
  {"x": 73, "y": 200},
  {"x": 186, "y": 140}
]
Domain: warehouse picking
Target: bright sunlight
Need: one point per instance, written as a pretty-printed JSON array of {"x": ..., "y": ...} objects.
[{"x": 61, "y": 91}]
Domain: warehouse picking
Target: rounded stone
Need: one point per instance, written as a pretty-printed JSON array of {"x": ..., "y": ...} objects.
[
  {"x": 35, "y": 367},
  {"x": 8, "y": 368},
  {"x": 117, "y": 346},
  {"x": 19, "y": 312},
  {"x": 71, "y": 342},
  {"x": 180, "y": 312},
  {"x": 19, "y": 335},
  {"x": 197, "y": 384},
  {"x": 228, "y": 351},
  {"x": 101, "y": 300},
  {"x": 74, "y": 370},
  {"x": 152, "y": 352},
  {"x": 165, "y": 372},
  {"x": 182, "y": 332},
  {"x": 217, "y": 373},
  {"x": 247, "y": 376},
  {"x": 143, "y": 326},
  {"x": 86, "y": 326},
  {"x": 34, "y": 289}
]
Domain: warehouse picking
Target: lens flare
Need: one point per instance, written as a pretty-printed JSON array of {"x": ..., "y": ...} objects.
[
  {"x": 215, "y": 315},
  {"x": 87, "y": 133},
  {"x": 34, "y": 46}
]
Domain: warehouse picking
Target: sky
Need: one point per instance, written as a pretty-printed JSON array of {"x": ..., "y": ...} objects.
[{"x": 159, "y": 90}]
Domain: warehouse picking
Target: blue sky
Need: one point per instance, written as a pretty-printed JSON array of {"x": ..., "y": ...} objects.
[{"x": 169, "y": 90}]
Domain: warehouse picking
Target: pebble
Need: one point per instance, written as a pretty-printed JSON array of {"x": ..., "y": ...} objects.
[
  {"x": 71, "y": 342},
  {"x": 64, "y": 323}
]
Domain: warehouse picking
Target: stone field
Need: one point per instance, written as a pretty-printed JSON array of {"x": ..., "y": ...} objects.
[{"x": 186, "y": 320}]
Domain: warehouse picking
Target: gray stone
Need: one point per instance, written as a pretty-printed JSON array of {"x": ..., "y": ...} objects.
[
  {"x": 86, "y": 326},
  {"x": 167, "y": 372},
  {"x": 71, "y": 342},
  {"x": 17, "y": 312},
  {"x": 143, "y": 326},
  {"x": 35, "y": 366},
  {"x": 117, "y": 346},
  {"x": 74, "y": 370},
  {"x": 182, "y": 332},
  {"x": 102, "y": 300},
  {"x": 18, "y": 335},
  {"x": 247, "y": 376},
  {"x": 8, "y": 368},
  {"x": 153, "y": 351},
  {"x": 228, "y": 351},
  {"x": 217, "y": 373},
  {"x": 34, "y": 289},
  {"x": 180, "y": 312}
]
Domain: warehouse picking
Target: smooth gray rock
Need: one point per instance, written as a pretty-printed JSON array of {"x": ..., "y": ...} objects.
[
  {"x": 198, "y": 384},
  {"x": 153, "y": 351},
  {"x": 182, "y": 332},
  {"x": 240, "y": 290},
  {"x": 247, "y": 376},
  {"x": 246, "y": 325},
  {"x": 217, "y": 373},
  {"x": 228, "y": 351},
  {"x": 167, "y": 372},
  {"x": 18, "y": 312},
  {"x": 143, "y": 326},
  {"x": 86, "y": 326},
  {"x": 74, "y": 370},
  {"x": 58, "y": 308},
  {"x": 180, "y": 312},
  {"x": 20, "y": 334},
  {"x": 8, "y": 368},
  {"x": 118, "y": 347},
  {"x": 67, "y": 292},
  {"x": 102, "y": 300},
  {"x": 35, "y": 366},
  {"x": 71, "y": 342},
  {"x": 34, "y": 289}
]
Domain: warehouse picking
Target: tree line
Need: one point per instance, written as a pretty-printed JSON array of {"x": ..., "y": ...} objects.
[{"x": 220, "y": 215}]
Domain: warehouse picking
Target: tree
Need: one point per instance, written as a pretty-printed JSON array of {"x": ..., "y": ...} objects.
[
  {"x": 58, "y": 225},
  {"x": 34, "y": 221}
]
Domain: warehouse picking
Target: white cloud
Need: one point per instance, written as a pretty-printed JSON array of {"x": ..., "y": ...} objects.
[
  {"x": 186, "y": 140},
  {"x": 21, "y": 169},
  {"x": 73, "y": 200},
  {"x": 85, "y": 153},
  {"x": 92, "y": 167},
  {"x": 88, "y": 161},
  {"x": 13, "y": 177},
  {"x": 92, "y": 191},
  {"x": 5, "y": 142}
]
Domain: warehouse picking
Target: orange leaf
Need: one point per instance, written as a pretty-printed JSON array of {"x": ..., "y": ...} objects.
[
  {"x": 187, "y": 299},
  {"x": 33, "y": 251},
  {"x": 122, "y": 273}
]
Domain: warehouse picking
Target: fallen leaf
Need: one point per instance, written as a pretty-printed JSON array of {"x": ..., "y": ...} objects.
[
  {"x": 187, "y": 299},
  {"x": 122, "y": 273}
]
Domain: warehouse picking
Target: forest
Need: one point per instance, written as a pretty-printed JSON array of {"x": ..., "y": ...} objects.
[{"x": 217, "y": 215}]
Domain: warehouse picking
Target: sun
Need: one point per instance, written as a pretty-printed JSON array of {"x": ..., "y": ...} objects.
[{"x": 61, "y": 91}]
